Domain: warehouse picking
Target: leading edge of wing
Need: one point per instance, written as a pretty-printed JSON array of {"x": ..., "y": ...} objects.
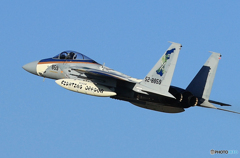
[{"x": 102, "y": 73}]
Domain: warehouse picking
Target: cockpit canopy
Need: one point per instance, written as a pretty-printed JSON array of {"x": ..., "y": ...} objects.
[{"x": 71, "y": 55}]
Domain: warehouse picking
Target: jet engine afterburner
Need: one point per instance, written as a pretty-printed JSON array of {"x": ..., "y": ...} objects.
[
  {"x": 189, "y": 100},
  {"x": 185, "y": 98}
]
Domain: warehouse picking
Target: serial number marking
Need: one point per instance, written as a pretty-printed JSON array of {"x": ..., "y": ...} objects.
[
  {"x": 153, "y": 80},
  {"x": 55, "y": 67}
]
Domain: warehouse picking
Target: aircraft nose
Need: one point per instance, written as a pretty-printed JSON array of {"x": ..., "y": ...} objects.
[{"x": 31, "y": 67}]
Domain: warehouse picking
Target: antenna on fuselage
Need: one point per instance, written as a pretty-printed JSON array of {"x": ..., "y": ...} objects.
[{"x": 103, "y": 65}]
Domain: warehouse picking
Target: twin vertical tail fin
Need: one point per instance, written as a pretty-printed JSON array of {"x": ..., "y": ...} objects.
[
  {"x": 201, "y": 85},
  {"x": 158, "y": 80}
]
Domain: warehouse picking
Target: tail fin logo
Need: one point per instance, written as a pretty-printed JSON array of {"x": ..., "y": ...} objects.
[{"x": 161, "y": 69}]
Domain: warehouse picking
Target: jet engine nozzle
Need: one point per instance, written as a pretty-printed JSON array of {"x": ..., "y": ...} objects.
[
  {"x": 185, "y": 98},
  {"x": 176, "y": 94},
  {"x": 189, "y": 100}
]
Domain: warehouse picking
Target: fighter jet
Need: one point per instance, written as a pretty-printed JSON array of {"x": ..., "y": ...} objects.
[{"x": 79, "y": 73}]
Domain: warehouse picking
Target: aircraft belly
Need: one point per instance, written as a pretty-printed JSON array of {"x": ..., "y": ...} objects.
[{"x": 158, "y": 107}]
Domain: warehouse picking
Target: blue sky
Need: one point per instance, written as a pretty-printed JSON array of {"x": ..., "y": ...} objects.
[{"x": 41, "y": 119}]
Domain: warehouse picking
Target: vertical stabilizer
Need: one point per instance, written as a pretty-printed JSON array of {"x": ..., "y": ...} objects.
[
  {"x": 158, "y": 80},
  {"x": 201, "y": 85}
]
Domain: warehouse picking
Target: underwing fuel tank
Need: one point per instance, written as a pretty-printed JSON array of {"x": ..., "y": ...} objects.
[{"x": 85, "y": 87}]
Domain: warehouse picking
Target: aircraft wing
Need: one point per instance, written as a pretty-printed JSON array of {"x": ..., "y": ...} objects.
[{"x": 109, "y": 73}]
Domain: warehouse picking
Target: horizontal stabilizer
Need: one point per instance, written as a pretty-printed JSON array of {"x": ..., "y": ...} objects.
[
  {"x": 207, "y": 104},
  {"x": 219, "y": 103},
  {"x": 229, "y": 111}
]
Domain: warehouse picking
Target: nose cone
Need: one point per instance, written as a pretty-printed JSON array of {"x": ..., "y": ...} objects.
[{"x": 31, "y": 67}]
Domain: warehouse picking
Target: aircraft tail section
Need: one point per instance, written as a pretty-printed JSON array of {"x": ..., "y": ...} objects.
[
  {"x": 158, "y": 80},
  {"x": 201, "y": 85}
]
